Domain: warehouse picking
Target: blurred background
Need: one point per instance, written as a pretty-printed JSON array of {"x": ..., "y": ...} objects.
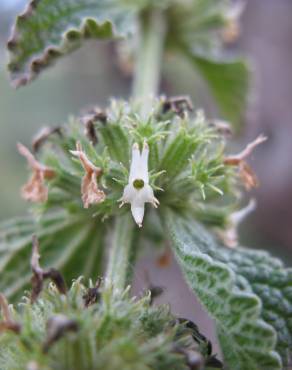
[{"x": 90, "y": 75}]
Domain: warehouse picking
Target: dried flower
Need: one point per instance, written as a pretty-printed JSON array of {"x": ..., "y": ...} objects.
[
  {"x": 43, "y": 135},
  {"x": 154, "y": 290},
  {"x": 231, "y": 31},
  {"x": 35, "y": 189},
  {"x": 178, "y": 105},
  {"x": 8, "y": 323},
  {"x": 89, "y": 119},
  {"x": 138, "y": 191},
  {"x": 92, "y": 295},
  {"x": 57, "y": 327},
  {"x": 90, "y": 192},
  {"x": 246, "y": 173},
  {"x": 223, "y": 128},
  {"x": 230, "y": 234},
  {"x": 39, "y": 274}
]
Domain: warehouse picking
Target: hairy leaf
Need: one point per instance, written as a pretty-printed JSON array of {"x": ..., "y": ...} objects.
[
  {"x": 69, "y": 243},
  {"x": 227, "y": 283},
  {"x": 260, "y": 273},
  {"x": 49, "y": 29},
  {"x": 116, "y": 142},
  {"x": 266, "y": 277},
  {"x": 228, "y": 83},
  {"x": 195, "y": 31}
]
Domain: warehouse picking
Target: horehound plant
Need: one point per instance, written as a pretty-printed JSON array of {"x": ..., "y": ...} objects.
[{"x": 153, "y": 171}]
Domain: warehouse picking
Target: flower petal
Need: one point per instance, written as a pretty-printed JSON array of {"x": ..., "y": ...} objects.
[
  {"x": 135, "y": 163},
  {"x": 138, "y": 213},
  {"x": 128, "y": 194},
  {"x": 144, "y": 163}
]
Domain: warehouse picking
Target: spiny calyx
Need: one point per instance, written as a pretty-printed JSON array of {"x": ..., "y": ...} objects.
[{"x": 131, "y": 158}]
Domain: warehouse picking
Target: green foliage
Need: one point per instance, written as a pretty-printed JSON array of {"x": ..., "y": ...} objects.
[
  {"x": 178, "y": 147},
  {"x": 271, "y": 282},
  {"x": 114, "y": 332},
  {"x": 178, "y": 153},
  {"x": 227, "y": 81},
  {"x": 52, "y": 28},
  {"x": 69, "y": 242},
  {"x": 195, "y": 31},
  {"x": 187, "y": 162},
  {"x": 247, "y": 292},
  {"x": 72, "y": 238}
]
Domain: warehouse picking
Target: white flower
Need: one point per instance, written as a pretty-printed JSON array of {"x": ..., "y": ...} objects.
[{"x": 138, "y": 191}]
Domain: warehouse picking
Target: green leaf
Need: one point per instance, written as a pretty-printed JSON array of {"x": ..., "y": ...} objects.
[
  {"x": 195, "y": 31},
  {"x": 178, "y": 154},
  {"x": 69, "y": 243},
  {"x": 267, "y": 278},
  {"x": 228, "y": 83},
  {"x": 117, "y": 142},
  {"x": 49, "y": 29},
  {"x": 247, "y": 336},
  {"x": 264, "y": 275}
]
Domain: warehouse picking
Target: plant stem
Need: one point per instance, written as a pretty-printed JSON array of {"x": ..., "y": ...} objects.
[
  {"x": 120, "y": 253},
  {"x": 145, "y": 86},
  {"x": 149, "y": 55}
]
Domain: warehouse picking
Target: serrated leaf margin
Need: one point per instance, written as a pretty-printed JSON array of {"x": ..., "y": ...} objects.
[{"x": 70, "y": 40}]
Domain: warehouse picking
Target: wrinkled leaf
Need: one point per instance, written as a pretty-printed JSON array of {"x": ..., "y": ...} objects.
[
  {"x": 269, "y": 280},
  {"x": 49, "y": 29},
  {"x": 223, "y": 281},
  {"x": 264, "y": 275}
]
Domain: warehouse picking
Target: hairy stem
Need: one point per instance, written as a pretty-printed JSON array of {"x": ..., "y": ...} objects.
[
  {"x": 145, "y": 86},
  {"x": 120, "y": 253},
  {"x": 149, "y": 53}
]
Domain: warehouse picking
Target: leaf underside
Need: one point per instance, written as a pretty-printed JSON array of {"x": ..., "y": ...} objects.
[
  {"x": 67, "y": 243},
  {"x": 49, "y": 29},
  {"x": 248, "y": 293}
]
